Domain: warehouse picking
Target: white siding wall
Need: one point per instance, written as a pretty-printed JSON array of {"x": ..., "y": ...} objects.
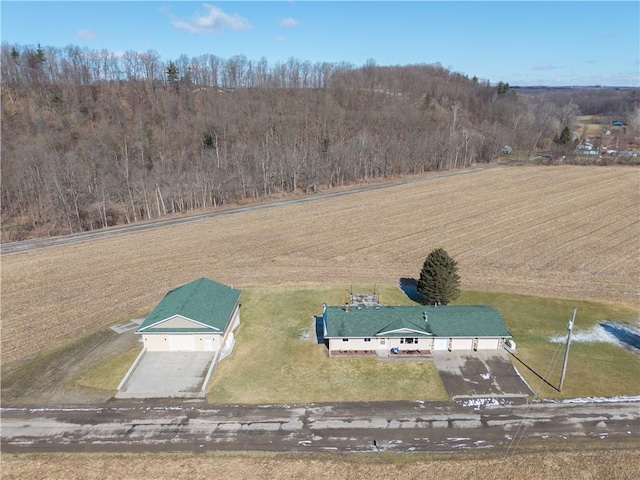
[
  {"x": 155, "y": 343},
  {"x": 358, "y": 344},
  {"x": 458, "y": 344},
  {"x": 421, "y": 344},
  {"x": 235, "y": 321},
  {"x": 488, "y": 343},
  {"x": 162, "y": 342}
]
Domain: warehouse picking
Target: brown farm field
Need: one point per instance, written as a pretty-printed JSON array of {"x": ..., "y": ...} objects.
[
  {"x": 551, "y": 231},
  {"x": 582, "y": 460}
]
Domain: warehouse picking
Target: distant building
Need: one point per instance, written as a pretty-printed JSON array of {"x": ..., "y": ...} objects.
[
  {"x": 585, "y": 148},
  {"x": 630, "y": 153}
]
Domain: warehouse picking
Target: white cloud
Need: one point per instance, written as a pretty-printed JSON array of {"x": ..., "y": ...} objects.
[
  {"x": 289, "y": 22},
  {"x": 86, "y": 34},
  {"x": 214, "y": 20},
  {"x": 281, "y": 39},
  {"x": 544, "y": 67}
]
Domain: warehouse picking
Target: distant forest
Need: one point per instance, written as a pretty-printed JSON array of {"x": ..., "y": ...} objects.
[{"x": 91, "y": 139}]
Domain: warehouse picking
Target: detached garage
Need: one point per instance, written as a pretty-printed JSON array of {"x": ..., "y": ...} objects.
[{"x": 197, "y": 317}]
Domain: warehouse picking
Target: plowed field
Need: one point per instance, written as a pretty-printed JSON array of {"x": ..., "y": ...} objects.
[{"x": 551, "y": 231}]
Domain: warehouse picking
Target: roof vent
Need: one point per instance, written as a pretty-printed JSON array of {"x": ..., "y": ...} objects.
[{"x": 425, "y": 317}]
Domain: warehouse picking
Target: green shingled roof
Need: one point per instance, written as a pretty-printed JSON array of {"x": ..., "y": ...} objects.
[
  {"x": 409, "y": 321},
  {"x": 204, "y": 301}
]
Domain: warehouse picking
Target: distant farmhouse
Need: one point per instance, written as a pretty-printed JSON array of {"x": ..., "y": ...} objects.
[
  {"x": 418, "y": 330},
  {"x": 198, "y": 316},
  {"x": 586, "y": 148}
]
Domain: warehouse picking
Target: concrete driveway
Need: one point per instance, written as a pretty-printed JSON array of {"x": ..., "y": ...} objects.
[
  {"x": 168, "y": 374},
  {"x": 474, "y": 375}
]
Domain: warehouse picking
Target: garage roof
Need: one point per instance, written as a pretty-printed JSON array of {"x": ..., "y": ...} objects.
[
  {"x": 415, "y": 321},
  {"x": 209, "y": 304}
]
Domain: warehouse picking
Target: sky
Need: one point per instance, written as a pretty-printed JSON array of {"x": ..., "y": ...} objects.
[{"x": 522, "y": 43}]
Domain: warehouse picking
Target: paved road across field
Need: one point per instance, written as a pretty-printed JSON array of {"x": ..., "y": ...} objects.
[
  {"x": 39, "y": 243},
  {"x": 342, "y": 427}
]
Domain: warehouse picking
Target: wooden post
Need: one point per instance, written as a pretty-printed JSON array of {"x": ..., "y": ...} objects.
[{"x": 566, "y": 351}]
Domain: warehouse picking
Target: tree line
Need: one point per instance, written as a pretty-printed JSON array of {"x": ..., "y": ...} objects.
[{"x": 91, "y": 139}]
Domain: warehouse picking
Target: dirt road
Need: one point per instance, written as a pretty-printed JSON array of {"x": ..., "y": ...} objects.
[{"x": 352, "y": 427}]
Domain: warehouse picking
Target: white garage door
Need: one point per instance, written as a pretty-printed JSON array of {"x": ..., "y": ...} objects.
[
  {"x": 462, "y": 344},
  {"x": 440, "y": 344},
  {"x": 181, "y": 343},
  {"x": 488, "y": 344}
]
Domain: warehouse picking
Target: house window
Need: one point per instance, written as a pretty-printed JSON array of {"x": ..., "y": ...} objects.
[
  {"x": 401, "y": 341},
  {"x": 367, "y": 339},
  {"x": 345, "y": 339}
]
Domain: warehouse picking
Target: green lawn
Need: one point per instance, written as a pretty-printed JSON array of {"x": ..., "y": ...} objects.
[
  {"x": 273, "y": 362},
  {"x": 277, "y": 360},
  {"x": 107, "y": 375},
  {"x": 593, "y": 369}
]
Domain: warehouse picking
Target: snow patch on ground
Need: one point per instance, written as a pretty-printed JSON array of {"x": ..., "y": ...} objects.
[
  {"x": 605, "y": 331},
  {"x": 619, "y": 399},
  {"x": 500, "y": 401},
  {"x": 485, "y": 402}
]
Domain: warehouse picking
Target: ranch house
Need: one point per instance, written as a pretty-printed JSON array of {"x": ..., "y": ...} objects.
[
  {"x": 198, "y": 316},
  {"x": 411, "y": 330}
]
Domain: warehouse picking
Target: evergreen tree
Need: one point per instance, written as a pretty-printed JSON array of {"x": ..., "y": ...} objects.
[
  {"x": 172, "y": 73},
  {"x": 564, "y": 138},
  {"x": 503, "y": 88},
  {"x": 439, "y": 280}
]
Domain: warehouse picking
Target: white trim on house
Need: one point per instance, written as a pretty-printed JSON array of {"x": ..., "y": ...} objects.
[
  {"x": 164, "y": 320},
  {"x": 405, "y": 330}
]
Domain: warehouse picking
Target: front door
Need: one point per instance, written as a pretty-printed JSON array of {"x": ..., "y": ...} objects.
[
  {"x": 382, "y": 348},
  {"x": 208, "y": 344}
]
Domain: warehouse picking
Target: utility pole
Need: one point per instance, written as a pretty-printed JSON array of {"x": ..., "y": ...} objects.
[{"x": 566, "y": 351}]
